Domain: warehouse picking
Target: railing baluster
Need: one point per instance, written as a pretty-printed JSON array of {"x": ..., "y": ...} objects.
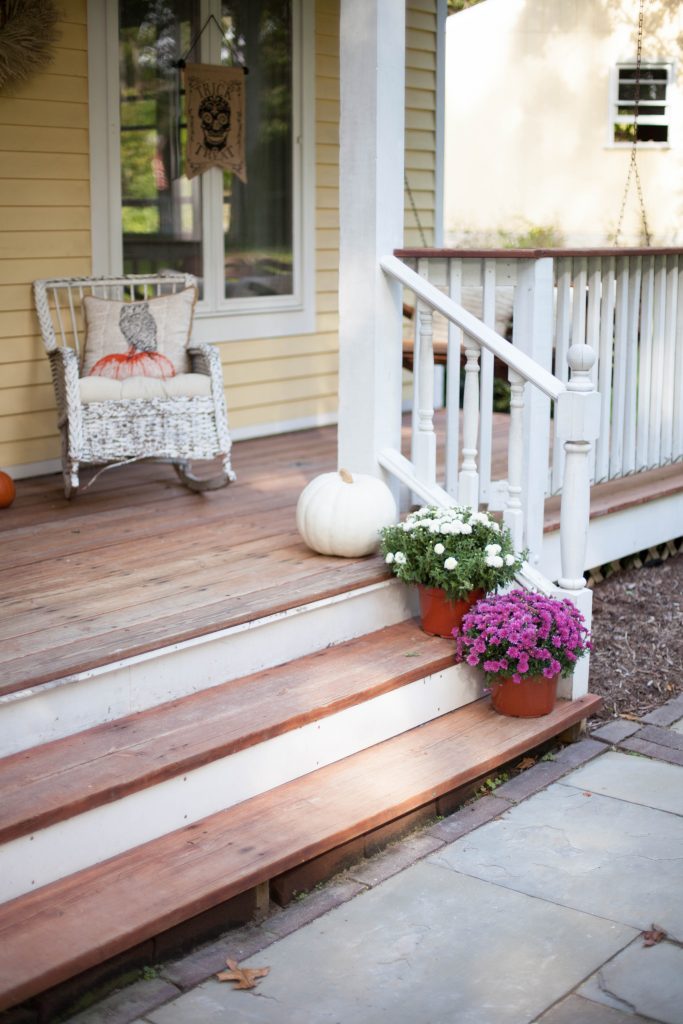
[
  {"x": 666, "y": 452},
  {"x": 647, "y": 290},
  {"x": 631, "y": 371},
  {"x": 455, "y": 340},
  {"x": 657, "y": 380},
  {"x": 561, "y": 368},
  {"x": 488, "y": 315},
  {"x": 616, "y": 453},
  {"x": 514, "y": 512},
  {"x": 468, "y": 486},
  {"x": 606, "y": 347},
  {"x": 677, "y": 451},
  {"x": 592, "y": 339},
  {"x": 425, "y": 438}
]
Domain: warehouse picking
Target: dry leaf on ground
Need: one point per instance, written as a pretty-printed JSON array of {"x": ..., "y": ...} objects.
[
  {"x": 655, "y": 935},
  {"x": 244, "y": 977}
]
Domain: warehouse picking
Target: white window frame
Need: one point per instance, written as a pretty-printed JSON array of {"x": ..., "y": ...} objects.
[
  {"x": 643, "y": 118},
  {"x": 216, "y": 318}
]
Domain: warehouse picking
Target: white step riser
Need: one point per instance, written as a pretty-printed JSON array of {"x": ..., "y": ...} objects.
[
  {"x": 59, "y": 850},
  {"x": 69, "y": 705}
]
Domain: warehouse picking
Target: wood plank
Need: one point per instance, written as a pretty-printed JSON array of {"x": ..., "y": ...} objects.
[
  {"x": 69, "y": 776},
  {"x": 64, "y": 928},
  {"x": 53, "y": 552},
  {"x": 87, "y": 651}
]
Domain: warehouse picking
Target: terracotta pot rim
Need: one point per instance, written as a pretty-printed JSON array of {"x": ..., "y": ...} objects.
[{"x": 502, "y": 680}]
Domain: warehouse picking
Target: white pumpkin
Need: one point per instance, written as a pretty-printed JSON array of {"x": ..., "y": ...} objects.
[{"x": 342, "y": 514}]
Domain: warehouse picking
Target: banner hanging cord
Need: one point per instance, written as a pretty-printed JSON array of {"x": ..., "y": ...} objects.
[{"x": 180, "y": 63}]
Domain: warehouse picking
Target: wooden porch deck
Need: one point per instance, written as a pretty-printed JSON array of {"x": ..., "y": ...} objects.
[{"x": 137, "y": 562}]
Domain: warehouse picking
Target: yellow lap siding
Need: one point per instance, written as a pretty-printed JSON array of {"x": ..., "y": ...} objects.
[{"x": 44, "y": 232}]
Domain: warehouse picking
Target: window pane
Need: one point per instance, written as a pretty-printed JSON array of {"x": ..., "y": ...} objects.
[
  {"x": 648, "y": 90},
  {"x": 257, "y": 216},
  {"x": 160, "y": 207},
  {"x": 625, "y": 132}
]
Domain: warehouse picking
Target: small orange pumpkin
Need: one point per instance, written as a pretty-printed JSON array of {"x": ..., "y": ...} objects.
[
  {"x": 122, "y": 365},
  {"x": 8, "y": 491}
]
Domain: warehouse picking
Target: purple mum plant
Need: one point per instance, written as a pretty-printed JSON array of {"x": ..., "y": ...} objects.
[{"x": 522, "y": 634}]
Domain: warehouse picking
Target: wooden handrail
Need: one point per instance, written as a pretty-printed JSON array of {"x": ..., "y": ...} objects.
[
  {"x": 484, "y": 335},
  {"x": 527, "y": 254}
]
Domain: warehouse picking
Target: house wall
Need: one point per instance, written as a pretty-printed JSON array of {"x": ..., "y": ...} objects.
[
  {"x": 271, "y": 383},
  {"x": 528, "y": 122}
]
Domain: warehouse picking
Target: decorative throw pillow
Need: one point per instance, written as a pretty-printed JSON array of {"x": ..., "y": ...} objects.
[{"x": 138, "y": 339}]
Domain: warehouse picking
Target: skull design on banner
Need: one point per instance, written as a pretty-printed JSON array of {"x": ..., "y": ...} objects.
[{"x": 214, "y": 99}]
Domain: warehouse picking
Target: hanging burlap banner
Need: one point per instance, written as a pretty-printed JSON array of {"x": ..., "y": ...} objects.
[{"x": 214, "y": 102}]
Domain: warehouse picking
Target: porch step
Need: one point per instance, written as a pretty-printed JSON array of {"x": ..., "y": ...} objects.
[
  {"x": 116, "y": 786},
  {"x": 72, "y": 925},
  {"x": 39, "y": 712}
]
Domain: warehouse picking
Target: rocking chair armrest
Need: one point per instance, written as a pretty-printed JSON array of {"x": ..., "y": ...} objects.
[
  {"x": 64, "y": 367},
  {"x": 206, "y": 359}
]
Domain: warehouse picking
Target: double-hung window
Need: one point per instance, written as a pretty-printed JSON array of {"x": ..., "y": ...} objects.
[
  {"x": 651, "y": 85},
  {"x": 250, "y": 244}
]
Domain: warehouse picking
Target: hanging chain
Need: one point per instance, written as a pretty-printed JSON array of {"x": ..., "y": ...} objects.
[
  {"x": 633, "y": 165},
  {"x": 416, "y": 215}
]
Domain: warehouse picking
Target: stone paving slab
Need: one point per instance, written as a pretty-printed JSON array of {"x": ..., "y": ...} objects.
[
  {"x": 640, "y": 781},
  {"x": 140, "y": 998},
  {"x": 605, "y": 856},
  {"x": 642, "y": 979},
  {"x": 575, "y": 1010},
  {"x": 667, "y": 713},
  {"x": 656, "y": 750},
  {"x": 418, "y": 949},
  {"x": 544, "y": 772},
  {"x": 678, "y": 726},
  {"x": 616, "y": 731}
]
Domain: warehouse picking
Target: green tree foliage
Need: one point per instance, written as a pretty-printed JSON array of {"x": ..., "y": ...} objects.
[{"x": 461, "y": 5}]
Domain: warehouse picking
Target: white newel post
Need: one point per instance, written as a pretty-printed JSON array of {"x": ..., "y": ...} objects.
[
  {"x": 577, "y": 425},
  {"x": 371, "y": 185}
]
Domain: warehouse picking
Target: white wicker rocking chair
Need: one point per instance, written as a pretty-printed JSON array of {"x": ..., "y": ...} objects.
[{"x": 178, "y": 429}]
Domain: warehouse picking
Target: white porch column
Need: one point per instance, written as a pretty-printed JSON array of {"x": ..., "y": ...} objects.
[{"x": 372, "y": 73}]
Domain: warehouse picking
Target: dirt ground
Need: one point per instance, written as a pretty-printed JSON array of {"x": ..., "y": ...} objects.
[{"x": 637, "y": 657}]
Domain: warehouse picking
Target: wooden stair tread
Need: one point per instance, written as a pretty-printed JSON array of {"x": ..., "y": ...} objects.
[
  {"x": 94, "y": 641},
  {"x": 56, "y": 932},
  {"x": 69, "y": 776}
]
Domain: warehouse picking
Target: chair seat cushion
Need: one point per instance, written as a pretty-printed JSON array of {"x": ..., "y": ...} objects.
[
  {"x": 103, "y": 389},
  {"x": 138, "y": 339}
]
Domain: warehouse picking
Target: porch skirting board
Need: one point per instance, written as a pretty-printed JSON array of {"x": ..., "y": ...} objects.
[
  {"x": 37, "y": 859},
  {"x": 65, "y": 706},
  {"x": 621, "y": 533}
]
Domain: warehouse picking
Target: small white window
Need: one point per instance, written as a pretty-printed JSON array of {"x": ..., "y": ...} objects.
[{"x": 649, "y": 86}]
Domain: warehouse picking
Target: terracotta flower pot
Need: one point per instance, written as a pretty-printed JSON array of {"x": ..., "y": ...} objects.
[
  {"x": 531, "y": 698},
  {"x": 438, "y": 615}
]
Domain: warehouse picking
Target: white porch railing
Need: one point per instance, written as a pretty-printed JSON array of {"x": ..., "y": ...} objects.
[
  {"x": 577, "y": 415},
  {"x": 622, "y": 304}
]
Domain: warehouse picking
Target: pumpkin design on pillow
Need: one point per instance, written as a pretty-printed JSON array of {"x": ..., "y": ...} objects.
[{"x": 139, "y": 328}]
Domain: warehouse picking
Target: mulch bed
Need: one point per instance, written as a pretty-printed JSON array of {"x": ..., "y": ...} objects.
[{"x": 637, "y": 657}]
